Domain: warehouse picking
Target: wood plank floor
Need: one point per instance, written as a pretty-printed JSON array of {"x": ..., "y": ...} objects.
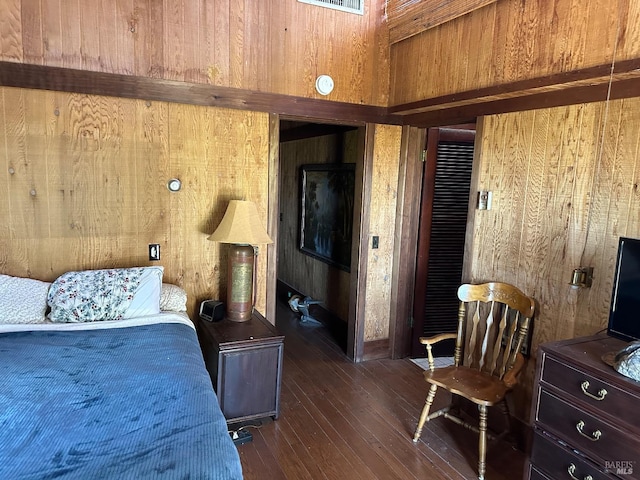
[{"x": 341, "y": 420}]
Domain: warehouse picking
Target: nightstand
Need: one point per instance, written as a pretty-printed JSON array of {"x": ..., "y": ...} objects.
[{"x": 244, "y": 360}]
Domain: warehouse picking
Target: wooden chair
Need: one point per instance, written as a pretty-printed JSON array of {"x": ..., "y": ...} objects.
[{"x": 499, "y": 324}]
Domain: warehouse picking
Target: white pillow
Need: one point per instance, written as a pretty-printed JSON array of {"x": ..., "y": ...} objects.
[
  {"x": 22, "y": 300},
  {"x": 111, "y": 294},
  {"x": 173, "y": 298}
]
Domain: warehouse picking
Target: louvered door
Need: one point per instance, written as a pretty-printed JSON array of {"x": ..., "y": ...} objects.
[{"x": 443, "y": 223}]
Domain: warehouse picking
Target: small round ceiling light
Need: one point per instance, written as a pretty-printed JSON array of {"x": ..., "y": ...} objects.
[
  {"x": 324, "y": 84},
  {"x": 174, "y": 185}
]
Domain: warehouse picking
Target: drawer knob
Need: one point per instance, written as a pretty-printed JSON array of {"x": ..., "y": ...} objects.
[
  {"x": 598, "y": 396},
  {"x": 595, "y": 435},
  {"x": 572, "y": 471}
]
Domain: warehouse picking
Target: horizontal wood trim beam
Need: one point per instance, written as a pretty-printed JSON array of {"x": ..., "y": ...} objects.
[
  {"x": 312, "y": 130},
  {"x": 580, "y": 86},
  {"x": 558, "y": 98},
  {"x": 41, "y": 77},
  {"x": 577, "y": 78}
]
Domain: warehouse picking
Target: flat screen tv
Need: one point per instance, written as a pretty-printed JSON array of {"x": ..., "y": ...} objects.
[{"x": 624, "y": 314}]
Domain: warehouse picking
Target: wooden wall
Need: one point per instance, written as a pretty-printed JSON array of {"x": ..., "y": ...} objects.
[
  {"x": 513, "y": 40},
  {"x": 83, "y": 185},
  {"x": 565, "y": 187},
  {"x": 382, "y": 222},
  {"x": 266, "y": 45},
  {"x": 306, "y": 274}
]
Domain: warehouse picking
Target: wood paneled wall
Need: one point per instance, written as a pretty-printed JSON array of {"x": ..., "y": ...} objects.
[
  {"x": 267, "y": 45},
  {"x": 565, "y": 187},
  {"x": 410, "y": 17},
  {"x": 382, "y": 223},
  {"x": 306, "y": 274},
  {"x": 513, "y": 40},
  {"x": 83, "y": 185}
]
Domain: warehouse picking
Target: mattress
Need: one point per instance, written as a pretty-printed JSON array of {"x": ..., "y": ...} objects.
[{"x": 127, "y": 399}]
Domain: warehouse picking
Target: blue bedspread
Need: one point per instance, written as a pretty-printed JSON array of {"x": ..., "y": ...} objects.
[{"x": 123, "y": 403}]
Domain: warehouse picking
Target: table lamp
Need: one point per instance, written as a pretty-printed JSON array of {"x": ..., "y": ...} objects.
[{"x": 241, "y": 228}]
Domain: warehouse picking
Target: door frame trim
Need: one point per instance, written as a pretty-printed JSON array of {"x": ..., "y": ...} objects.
[
  {"x": 359, "y": 247},
  {"x": 273, "y": 209},
  {"x": 406, "y": 240}
]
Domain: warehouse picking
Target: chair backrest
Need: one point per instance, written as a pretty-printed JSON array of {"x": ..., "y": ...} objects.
[{"x": 500, "y": 315}]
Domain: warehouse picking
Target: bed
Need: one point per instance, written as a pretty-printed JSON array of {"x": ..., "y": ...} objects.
[{"x": 125, "y": 398}]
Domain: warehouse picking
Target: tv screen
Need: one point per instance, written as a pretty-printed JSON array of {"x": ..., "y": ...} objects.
[{"x": 624, "y": 315}]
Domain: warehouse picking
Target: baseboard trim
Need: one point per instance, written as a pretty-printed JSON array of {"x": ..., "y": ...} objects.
[{"x": 376, "y": 349}]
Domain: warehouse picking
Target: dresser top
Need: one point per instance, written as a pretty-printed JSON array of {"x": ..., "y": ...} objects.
[{"x": 587, "y": 352}]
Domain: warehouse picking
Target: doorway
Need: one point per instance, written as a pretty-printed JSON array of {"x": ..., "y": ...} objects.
[
  {"x": 300, "y": 272},
  {"x": 441, "y": 238}
]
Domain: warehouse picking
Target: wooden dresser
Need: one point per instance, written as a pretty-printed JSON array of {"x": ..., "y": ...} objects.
[{"x": 586, "y": 416}]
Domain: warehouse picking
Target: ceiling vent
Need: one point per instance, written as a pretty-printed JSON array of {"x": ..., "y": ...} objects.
[{"x": 351, "y": 6}]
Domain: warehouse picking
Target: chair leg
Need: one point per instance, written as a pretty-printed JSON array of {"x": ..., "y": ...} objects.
[
  {"x": 425, "y": 412},
  {"x": 482, "y": 442},
  {"x": 455, "y": 404},
  {"x": 504, "y": 408}
]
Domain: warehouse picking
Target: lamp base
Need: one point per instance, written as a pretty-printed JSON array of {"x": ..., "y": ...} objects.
[{"x": 240, "y": 282}]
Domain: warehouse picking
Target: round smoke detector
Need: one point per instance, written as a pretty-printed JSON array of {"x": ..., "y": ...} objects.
[{"x": 324, "y": 84}]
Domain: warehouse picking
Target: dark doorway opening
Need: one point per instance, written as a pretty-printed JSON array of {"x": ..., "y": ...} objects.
[
  {"x": 441, "y": 238},
  {"x": 299, "y": 273}
]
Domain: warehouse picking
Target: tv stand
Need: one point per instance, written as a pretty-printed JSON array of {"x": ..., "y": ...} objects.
[{"x": 586, "y": 416}]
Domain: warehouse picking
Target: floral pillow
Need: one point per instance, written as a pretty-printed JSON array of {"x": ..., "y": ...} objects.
[
  {"x": 111, "y": 294},
  {"x": 22, "y": 300}
]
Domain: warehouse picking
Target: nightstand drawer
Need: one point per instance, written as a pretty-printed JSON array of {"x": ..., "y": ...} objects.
[
  {"x": 614, "y": 403},
  {"x": 248, "y": 382},
  {"x": 556, "y": 461},
  {"x": 604, "y": 443}
]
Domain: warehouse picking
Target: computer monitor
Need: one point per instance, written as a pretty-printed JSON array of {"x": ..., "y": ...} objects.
[{"x": 624, "y": 313}]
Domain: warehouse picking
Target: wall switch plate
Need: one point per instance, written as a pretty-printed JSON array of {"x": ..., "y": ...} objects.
[
  {"x": 484, "y": 200},
  {"x": 375, "y": 241},
  {"x": 154, "y": 251}
]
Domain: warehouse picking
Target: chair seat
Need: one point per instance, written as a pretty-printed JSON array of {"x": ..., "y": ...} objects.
[{"x": 479, "y": 387}]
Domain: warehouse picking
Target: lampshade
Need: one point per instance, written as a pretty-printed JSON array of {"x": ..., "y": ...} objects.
[{"x": 241, "y": 225}]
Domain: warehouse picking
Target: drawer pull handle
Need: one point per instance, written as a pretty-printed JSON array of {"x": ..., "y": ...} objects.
[
  {"x": 572, "y": 470},
  {"x": 599, "y": 396},
  {"x": 594, "y": 437}
]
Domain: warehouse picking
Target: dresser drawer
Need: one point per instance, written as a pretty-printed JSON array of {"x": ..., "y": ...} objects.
[
  {"x": 535, "y": 474},
  {"x": 554, "y": 460},
  {"x": 604, "y": 443},
  {"x": 618, "y": 405}
]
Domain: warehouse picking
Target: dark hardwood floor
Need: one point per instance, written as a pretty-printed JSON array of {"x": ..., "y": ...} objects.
[{"x": 341, "y": 420}]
